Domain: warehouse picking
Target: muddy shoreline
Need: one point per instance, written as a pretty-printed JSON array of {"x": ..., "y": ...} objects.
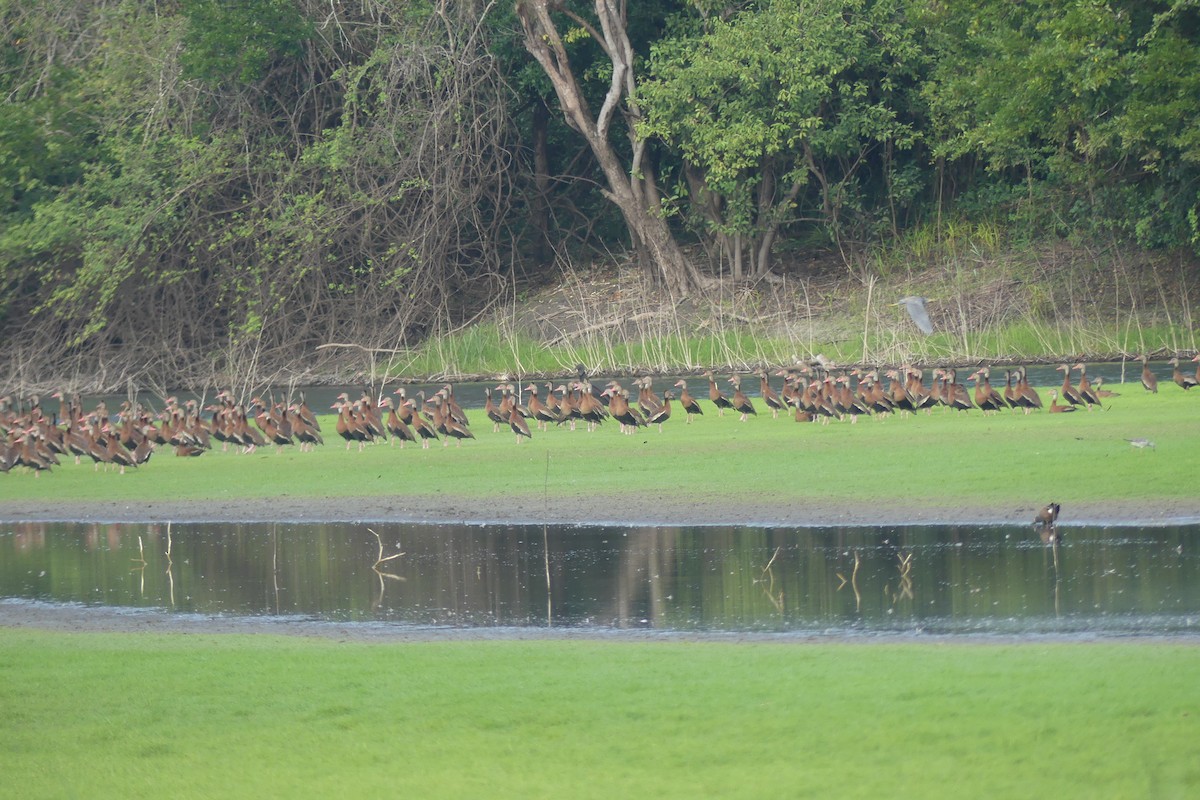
[
  {"x": 74, "y": 618},
  {"x": 624, "y": 510}
]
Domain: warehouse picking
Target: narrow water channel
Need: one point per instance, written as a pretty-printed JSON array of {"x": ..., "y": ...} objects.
[{"x": 935, "y": 579}]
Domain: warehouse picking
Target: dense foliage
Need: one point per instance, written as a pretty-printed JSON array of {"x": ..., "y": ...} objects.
[{"x": 189, "y": 187}]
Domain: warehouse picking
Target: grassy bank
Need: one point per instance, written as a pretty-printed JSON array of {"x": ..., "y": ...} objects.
[
  {"x": 944, "y": 459},
  {"x": 493, "y": 349},
  {"x": 185, "y": 716}
]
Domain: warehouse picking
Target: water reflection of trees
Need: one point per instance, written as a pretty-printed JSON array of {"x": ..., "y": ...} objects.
[{"x": 678, "y": 578}]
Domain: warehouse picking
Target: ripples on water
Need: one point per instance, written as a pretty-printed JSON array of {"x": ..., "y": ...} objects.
[{"x": 859, "y": 580}]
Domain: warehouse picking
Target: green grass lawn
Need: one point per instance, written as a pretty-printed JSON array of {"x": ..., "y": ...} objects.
[
  {"x": 150, "y": 715},
  {"x": 944, "y": 458}
]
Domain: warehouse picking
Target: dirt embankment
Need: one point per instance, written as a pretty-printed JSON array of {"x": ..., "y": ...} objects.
[{"x": 624, "y": 510}]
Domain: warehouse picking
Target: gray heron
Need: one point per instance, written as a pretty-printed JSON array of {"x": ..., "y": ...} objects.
[{"x": 915, "y": 306}]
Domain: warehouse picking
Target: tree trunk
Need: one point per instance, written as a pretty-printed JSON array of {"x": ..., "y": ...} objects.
[
  {"x": 648, "y": 230},
  {"x": 540, "y": 213}
]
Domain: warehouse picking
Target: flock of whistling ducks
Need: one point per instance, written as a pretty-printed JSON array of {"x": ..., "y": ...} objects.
[{"x": 32, "y": 438}]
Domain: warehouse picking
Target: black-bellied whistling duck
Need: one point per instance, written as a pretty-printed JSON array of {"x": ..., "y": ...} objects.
[
  {"x": 1045, "y": 522},
  {"x": 1055, "y": 408},
  {"x": 740, "y": 402},
  {"x": 28, "y": 454},
  {"x": 449, "y": 426},
  {"x": 404, "y": 409},
  {"x": 874, "y": 396},
  {"x": 1149, "y": 380},
  {"x": 420, "y": 425},
  {"x": 568, "y": 405},
  {"x": 271, "y": 425},
  {"x": 145, "y": 448},
  {"x": 1182, "y": 380},
  {"x": 367, "y": 411},
  {"x": 689, "y": 404},
  {"x": 189, "y": 451},
  {"x": 818, "y": 399},
  {"x": 792, "y": 388},
  {"x": 248, "y": 438},
  {"x": 305, "y": 434},
  {"x": 9, "y": 449},
  {"x": 77, "y": 441},
  {"x": 493, "y": 411},
  {"x": 1027, "y": 396},
  {"x": 1101, "y": 392},
  {"x": 117, "y": 454},
  {"x": 1069, "y": 392},
  {"x": 896, "y": 393},
  {"x": 844, "y": 401},
  {"x": 541, "y": 413},
  {"x": 937, "y": 388},
  {"x": 306, "y": 414},
  {"x": 1086, "y": 392},
  {"x": 194, "y": 426},
  {"x": 591, "y": 407},
  {"x": 647, "y": 400},
  {"x": 452, "y": 408},
  {"x": 553, "y": 401},
  {"x": 96, "y": 443},
  {"x": 349, "y": 427},
  {"x": 517, "y": 424},
  {"x": 919, "y": 395},
  {"x": 716, "y": 396},
  {"x": 954, "y": 394},
  {"x": 769, "y": 395},
  {"x": 1010, "y": 392},
  {"x": 630, "y": 418},
  {"x": 661, "y": 414},
  {"x": 1196, "y": 358},
  {"x": 396, "y": 427},
  {"x": 987, "y": 398}
]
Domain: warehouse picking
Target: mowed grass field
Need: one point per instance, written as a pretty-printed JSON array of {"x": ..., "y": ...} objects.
[
  {"x": 944, "y": 458},
  {"x": 151, "y": 715}
]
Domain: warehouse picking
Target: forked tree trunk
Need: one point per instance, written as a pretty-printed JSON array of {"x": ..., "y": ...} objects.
[{"x": 627, "y": 186}]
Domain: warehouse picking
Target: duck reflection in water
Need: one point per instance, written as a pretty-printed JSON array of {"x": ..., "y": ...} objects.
[{"x": 1045, "y": 523}]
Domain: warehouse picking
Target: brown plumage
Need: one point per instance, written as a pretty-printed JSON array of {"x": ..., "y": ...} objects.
[
  {"x": 1148, "y": 378},
  {"x": 1069, "y": 393},
  {"x": 769, "y": 395},
  {"x": 716, "y": 396},
  {"x": 541, "y": 413},
  {"x": 396, "y": 427},
  {"x": 591, "y": 408},
  {"x": 658, "y": 416},
  {"x": 1055, "y": 408},
  {"x": 1027, "y": 396},
  {"x": 689, "y": 404},
  {"x": 420, "y": 425},
  {"x": 740, "y": 402},
  {"x": 1086, "y": 392},
  {"x": 493, "y": 411},
  {"x": 618, "y": 406},
  {"x": 517, "y": 424},
  {"x": 1045, "y": 522},
  {"x": 1182, "y": 380},
  {"x": 987, "y": 398}
]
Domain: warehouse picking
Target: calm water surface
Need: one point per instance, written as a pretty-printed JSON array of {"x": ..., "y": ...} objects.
[{"x": 939, "y": 579}]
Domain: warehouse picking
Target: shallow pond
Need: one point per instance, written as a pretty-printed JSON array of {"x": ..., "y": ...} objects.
[{"x": 939, "y": 579}]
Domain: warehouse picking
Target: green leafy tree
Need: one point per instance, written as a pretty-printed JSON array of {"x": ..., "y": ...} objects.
[
  {"x": 238, "y": 40},
  {"x": 782, "y": 111},
  {"x": 1092, "y": 105}
]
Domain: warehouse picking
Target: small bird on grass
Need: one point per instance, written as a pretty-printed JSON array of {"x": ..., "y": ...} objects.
[{"x": 1141, "y": 443}]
